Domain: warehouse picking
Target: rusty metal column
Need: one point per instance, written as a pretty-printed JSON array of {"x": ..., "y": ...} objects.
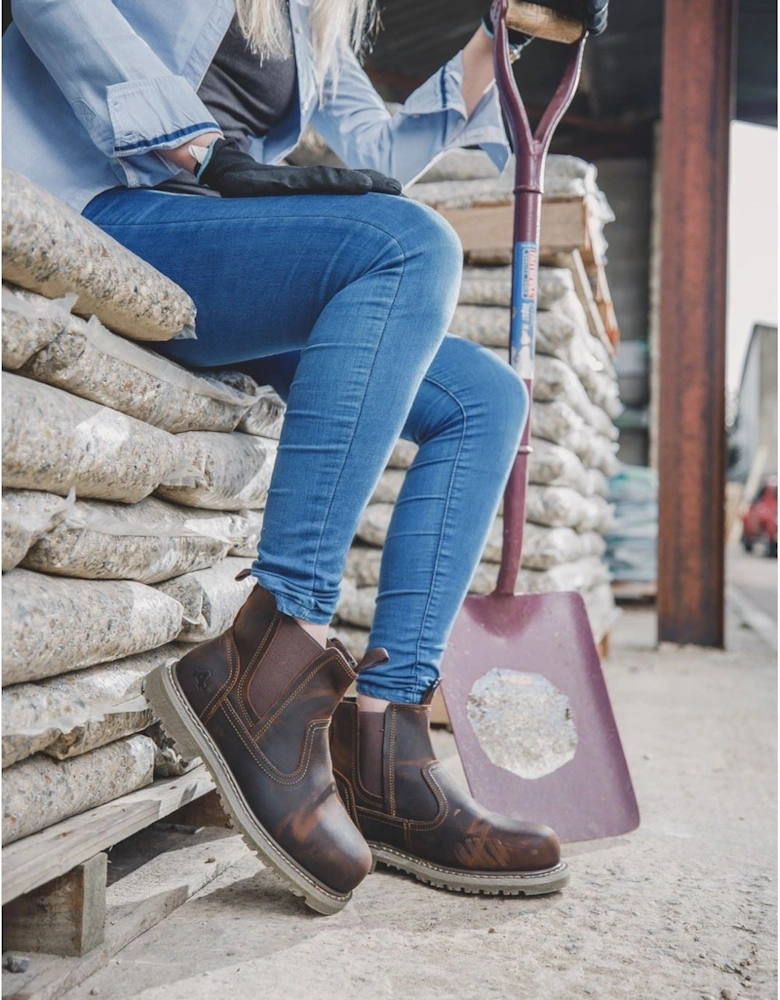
[{"x": 697, "y": 103}]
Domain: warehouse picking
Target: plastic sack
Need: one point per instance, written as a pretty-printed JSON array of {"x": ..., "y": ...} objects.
[
  {"x": 88, "y": 360},
  {"x": 489, "y": 326},
  {"x": 77, "y": 712},
  {"x": 211, "y": 598},
  {"x": 39, "y": 791},
  {"x": 149, "y": 541},
  {"x": 583, "y": 574},
  {"x": 265, "y": 416},
  {"x": 27, "y": 516},
  {"x": 492, "y": 286},
  {"x": 561, "y": 506},
  {"x": 552, "y": 465},
  {"x": 362, "y": 566},
  {"x": 30, "y": 322},
  {"x": 231, "y": 471},
  {"x": 51, "y": 249},
  {"x": 54, "y": 441},
  {"x": 403, "y": 454},
  {"x": 53, "y": 625},
  {"x": 545, "y": 547},
  {"x": 554, "y": 379},
  {"x": 246, "y": 544}
]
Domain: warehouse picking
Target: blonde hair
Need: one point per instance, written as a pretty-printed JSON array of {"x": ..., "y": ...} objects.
[{"x": 334, "y": 24}]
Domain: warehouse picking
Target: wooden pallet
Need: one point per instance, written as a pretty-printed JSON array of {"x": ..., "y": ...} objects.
[
  {"x": 55, "y": 892},
  {"x": 635, "y": 592},
  {"x": 569, "y": 239}
]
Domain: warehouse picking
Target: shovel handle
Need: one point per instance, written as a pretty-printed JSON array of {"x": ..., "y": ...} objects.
[
  {"x": 530, "y": 150},
  {"x": 542, "y": 22}
]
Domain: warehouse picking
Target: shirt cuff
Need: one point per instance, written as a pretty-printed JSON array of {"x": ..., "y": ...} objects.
[
  {"x": 155, "y": 113},
  {"x": 484, "y": 128}
]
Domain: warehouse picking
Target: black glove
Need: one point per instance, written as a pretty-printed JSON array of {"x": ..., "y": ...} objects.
[
  {"x": 592, "y": 13},
  {"x": 236, "y": 175}
]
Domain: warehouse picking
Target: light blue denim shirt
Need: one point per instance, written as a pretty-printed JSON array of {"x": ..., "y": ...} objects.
[{"x": 93, "y": 89}]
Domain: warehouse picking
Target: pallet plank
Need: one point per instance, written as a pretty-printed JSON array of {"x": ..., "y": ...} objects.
[{"x": 37, "y": 859}]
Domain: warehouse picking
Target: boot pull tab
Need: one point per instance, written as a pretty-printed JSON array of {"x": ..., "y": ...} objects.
[
  {"x": 427, "y": 698},
  {"x": 337, "y": 644},
  {"x": 373, "y": 657},
  {"x": 244, "y": 574}
]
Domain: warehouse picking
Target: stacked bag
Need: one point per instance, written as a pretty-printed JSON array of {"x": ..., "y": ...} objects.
[
  {"x": 574, "y": 437},
  {"x": 133, "y": 497}
]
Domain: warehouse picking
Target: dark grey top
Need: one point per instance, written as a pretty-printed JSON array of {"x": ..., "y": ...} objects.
[{"x": 246, "y": 95}]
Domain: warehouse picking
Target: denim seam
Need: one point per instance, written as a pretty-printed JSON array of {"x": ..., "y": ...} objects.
[
  {"x": 221, "y": 222},
  {"x": 362, "y": 404},
  {"x": 417, "y": 689}
]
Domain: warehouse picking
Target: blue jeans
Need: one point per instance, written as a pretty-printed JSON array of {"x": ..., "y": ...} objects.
[{"x": 362, "y": 288}]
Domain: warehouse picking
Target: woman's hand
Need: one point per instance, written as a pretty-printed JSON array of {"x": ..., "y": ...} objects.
[
  {"x": 235, "y": 174},
  {"x": 182, "y": 157}
]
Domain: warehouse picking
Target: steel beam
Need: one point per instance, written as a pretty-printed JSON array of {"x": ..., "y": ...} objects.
[{"x": 697, "y": 103}]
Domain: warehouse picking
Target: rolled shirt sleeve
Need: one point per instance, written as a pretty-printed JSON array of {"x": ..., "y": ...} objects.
[
  {"x": 120, "y": 90},
  {"x": 355, "y": 123}
]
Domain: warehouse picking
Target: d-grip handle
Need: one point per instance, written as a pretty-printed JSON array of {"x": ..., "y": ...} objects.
[{"x": 543, "y": 22}]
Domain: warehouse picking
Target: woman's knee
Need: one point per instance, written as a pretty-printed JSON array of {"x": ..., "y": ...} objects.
[{"x": 427, "y": 250}]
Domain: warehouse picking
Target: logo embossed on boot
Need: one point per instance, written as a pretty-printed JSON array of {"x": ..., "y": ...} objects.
[{"x": 202, "y": 678}]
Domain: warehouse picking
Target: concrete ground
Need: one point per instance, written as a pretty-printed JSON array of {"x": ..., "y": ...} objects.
[{"x": 683, "y": 908}]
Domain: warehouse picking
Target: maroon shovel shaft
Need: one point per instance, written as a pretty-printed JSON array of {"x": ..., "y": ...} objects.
[{"x": 530, "y": 150}]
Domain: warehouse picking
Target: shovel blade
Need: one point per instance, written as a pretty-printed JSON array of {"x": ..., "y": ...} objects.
[{"x": 531, "y": 715}]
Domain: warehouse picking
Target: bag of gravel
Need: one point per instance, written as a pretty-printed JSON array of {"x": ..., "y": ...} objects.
[
  {"x": 459, "y": 165},
  {"x": 53, "y": 625},
  {"x": 68, "y": 715},
  {"x": 356, "y": 605},
  {"x": 246, "y": 544},
  {"x": 552, "y": 465},
  {"x": 492, "y": 286},
  {"x": 580, "y": 575},
  {"x": 51, "y": 249},
  {"x": 545, "y": 547},
  {"x": 30, "y": 322},
  {"x": 489, "y": 326},
  {"x": 561, "y": 506},
  {"x": 362, "y": 566},
  {"x": 88, "y": 360},
  {"x": 211, "y": 598},
  {"x": 39, "y": 791},
  {"x": 265, "y": 416},
  {"x": 403, "y": 454},
  {"x": 374, "y": 522},
  {"x": 554, "y": 379},
  {"x": 231, "y": 471},
  {"x": 27, "y": 515},
  {"x": 56, "y": 442},
  {"x": 149, "y": 541}
]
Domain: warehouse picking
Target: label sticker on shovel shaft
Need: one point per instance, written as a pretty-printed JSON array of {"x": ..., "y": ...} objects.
[
  {"x": 524, "y": 281},
  {"x": 522, "y": 722}
]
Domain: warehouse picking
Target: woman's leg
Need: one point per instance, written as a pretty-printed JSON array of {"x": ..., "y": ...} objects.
[
  {"x": 467, "y": 419},
  {"x": 364, "y": 287}
]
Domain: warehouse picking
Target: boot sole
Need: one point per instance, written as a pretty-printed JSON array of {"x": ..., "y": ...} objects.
[
  {"x": 193, "y": 740},
  {"x": 481, "y": 883}
]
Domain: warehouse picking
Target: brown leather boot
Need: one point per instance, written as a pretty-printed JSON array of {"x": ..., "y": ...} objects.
[
  {"x": 255, "y": 705},
  {"x": 417, "y": 819}
]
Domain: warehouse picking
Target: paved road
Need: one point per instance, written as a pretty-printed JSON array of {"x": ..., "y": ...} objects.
[{"x": 755, "y": 576}]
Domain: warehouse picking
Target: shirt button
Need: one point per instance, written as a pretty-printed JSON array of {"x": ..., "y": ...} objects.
[{"x": 305, "y": 106}]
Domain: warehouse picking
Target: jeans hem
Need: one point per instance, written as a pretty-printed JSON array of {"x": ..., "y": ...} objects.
[
  {"x": 290, "y": 605},
  {"x": 405, "y": 695}
]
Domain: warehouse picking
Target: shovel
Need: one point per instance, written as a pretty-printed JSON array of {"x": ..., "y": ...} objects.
[{"x": 523, "y": 682}]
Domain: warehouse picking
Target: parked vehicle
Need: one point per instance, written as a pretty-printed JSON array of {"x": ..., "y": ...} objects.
[{"x": 759, "y": 523}]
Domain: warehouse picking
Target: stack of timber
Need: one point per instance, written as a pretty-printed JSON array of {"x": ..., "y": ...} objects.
[
  {"x": 576, "y": 400},
  {"x": 133, "y": 496}
]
